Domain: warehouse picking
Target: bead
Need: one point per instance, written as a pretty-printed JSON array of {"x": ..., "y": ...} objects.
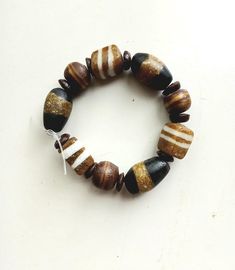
[
  {"x": 105, "y": 175},
  {"x": 90, "y": 171},
  {"x": 77, "y": 76},
  {"x": 150, "y": 71},
  {"x": 77, "y": 156},
  {"x": 177, "y": 102},
  {"x": 126, "y": 60},
  {"x": 179, "y": 118},
  {"x": 63, "y": 139},
  {"x": 64, "y": 84},
  {"x": 120, "y": 182},
  {"x": 106, "y": 62},
  {"x": 88, "y": 64},
  {"x": 57, "y": 108},
  {"x": 175, "y": 140},
  {"x": 145, "y": 175},
  {"x": 164, "y": 156},
  {"x": 171, "y": 88}
]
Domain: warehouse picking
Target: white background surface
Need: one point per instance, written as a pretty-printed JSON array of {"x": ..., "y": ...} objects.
[{"x": 52, "y": 221}]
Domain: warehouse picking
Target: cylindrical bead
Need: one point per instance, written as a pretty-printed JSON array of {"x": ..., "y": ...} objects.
[
  {"x": 77, "y": 156},
  {"x": 77, "y": 76},
  {"x": 175, "y": 140},
  {"x": 57, "y": 108},
  {"x": 106, "y": 62},
  {"x": 177, "y": 102},
  {"x": 105, "y": 175},
  {"x": 149, "y": 70},
  {"x": 145, "y": 175}
]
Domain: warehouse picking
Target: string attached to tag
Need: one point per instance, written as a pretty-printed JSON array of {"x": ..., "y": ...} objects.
[{"x": 53, "y": 134}]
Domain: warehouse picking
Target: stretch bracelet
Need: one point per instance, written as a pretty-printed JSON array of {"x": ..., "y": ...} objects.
[{"x": 106, "y": 63}]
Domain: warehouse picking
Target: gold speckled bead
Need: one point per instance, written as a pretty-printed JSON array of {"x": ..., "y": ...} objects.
[
  {"x": 77, "y": 156},
  {"x": 175, "y": 140},
  {"x": 145, "y": 175},
  {"x": 106, "y": 62}
]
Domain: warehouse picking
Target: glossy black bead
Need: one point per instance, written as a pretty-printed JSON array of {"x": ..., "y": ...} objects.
[
  {"x": 126, "y": 60},
  {"x": 179, "y": 118},
  {"x": 171, "y": 88}
]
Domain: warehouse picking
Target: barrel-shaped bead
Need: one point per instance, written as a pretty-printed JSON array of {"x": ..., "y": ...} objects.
[
  {"x": 145, "y": 175},
  {"x": 77, "y": 156},
  {"x": 175, "y": 140},
  {"x": 177, "y": 102},
  {"x": 57, "y": 108},
  {"x": 105, "y": 175},
  {"x": 149, "y": 70},
  {"x": 77, "y": 76},
  {"x": 106, "y": 62}
]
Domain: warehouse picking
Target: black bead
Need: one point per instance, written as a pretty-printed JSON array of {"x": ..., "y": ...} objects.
[
  {"x": 171, "y": 88},
  {"x": 130, "y": 182},
  {"x": 179, "y": 118},
  {"x": 126, "y": 60}
]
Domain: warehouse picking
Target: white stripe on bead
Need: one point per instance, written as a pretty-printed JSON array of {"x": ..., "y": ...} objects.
[
  {"x": 78, "y": 161},
  {"x": 72, "y": 149},
  {"x": 179, "y": 134},
  {"x": 111, "y": 71},
  {"x": 169, "y": 139},
  {"x": 99, "y": 64}
]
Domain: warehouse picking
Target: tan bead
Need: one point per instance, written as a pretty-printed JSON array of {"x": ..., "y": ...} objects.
[
  {"x": 106, "y": 62},
  {"x": 177, "y": 102},
  {"x": 77, "y": 156},
  {"x": 175, "y": 140},
  {"x": 105, "y": 175}
]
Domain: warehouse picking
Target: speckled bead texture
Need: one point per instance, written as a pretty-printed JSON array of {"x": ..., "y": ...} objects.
[{"x": 107, "y": 63}]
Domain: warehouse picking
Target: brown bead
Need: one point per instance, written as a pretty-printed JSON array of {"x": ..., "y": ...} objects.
[
  {"x": 90, "y": 171},
  {"x": 106, "y": 62},
  {"x": 126, "y": 60},
  {"x": 77, "y": 76},
  {"x": 175, "y": 140},
  {"x": 179, "y": 118},
  {"x": 165, "y": 157},
  {"x": 63, "y": 139},
  {"x": 77, "y": 156},
  {"x": 105, "y": 175},
  {"x": 177, "y": 102},
  {"x": 171, "y": 88},
  {"x": 120, "y": 182}
]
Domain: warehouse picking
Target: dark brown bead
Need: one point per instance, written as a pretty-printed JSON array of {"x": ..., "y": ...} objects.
[
  {"x": 171, "y": 88},
  {"x": 77, "y": 76},
  {"x": 105, "y": 175},
  {"x": 165, "y": 157},
  {"x": 126, "y": 60},
  {"x": 88, "y": 64},
  {"x": 63, "y": 139},
  {"x": 64, "y": 84},
  {"x": 177, "y": 102},
  {"x": 90, "y": 171},
  {"x": 179, "y": 118},
  {"x": 120, "y": 182}
]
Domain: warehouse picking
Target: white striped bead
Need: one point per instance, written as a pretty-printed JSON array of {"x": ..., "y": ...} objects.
[{"x": 175, "y": 140}]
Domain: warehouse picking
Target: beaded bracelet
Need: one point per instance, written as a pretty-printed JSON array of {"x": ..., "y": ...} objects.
[{"x": 106, "y": 63}]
